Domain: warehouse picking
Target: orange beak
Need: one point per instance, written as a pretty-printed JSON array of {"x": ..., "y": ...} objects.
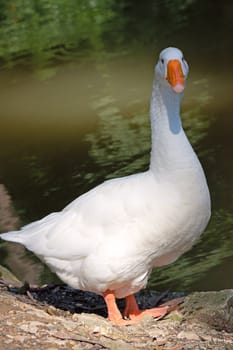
[{"x": 175, "y": 76}]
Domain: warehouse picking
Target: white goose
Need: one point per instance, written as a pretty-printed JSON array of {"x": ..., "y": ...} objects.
[{"x": 108, "y": 240}]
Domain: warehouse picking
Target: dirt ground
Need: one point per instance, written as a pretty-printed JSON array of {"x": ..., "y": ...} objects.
[{"x": 59, "y": 317}]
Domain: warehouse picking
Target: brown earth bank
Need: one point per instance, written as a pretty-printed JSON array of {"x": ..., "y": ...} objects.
[{"x": 59, "y": 317}]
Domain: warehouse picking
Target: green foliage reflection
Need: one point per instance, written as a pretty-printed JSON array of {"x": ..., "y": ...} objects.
[{"x": 47, "y": 29}]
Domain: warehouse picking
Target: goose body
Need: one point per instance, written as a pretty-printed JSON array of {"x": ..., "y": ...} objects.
[{"x": 109, "y": 239}]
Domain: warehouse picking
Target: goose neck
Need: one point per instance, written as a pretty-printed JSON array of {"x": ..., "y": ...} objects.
[{"x": 170, "y": 146}]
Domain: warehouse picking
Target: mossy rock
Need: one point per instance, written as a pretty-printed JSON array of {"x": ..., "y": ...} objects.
[{"x": 8, "y": 277}]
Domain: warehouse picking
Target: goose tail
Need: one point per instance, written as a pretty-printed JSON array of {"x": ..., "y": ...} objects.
[
  {"x": 26, "y": 233},
  {"x": 13, "y": 236}
]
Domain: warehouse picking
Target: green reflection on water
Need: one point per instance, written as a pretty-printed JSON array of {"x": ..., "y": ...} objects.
[
  {"x": 122, "y": 142},
  {"x": 49, "y": 29}
]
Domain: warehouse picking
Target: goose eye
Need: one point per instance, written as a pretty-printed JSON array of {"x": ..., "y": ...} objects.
[
  {"x": 183, "y": 59},
  {"x": 162, "y": 60}
]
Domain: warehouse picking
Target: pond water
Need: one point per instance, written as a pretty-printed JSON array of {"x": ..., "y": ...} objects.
[{"x": 75, "y": 85}]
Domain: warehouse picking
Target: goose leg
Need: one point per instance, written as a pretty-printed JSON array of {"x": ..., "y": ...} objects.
[
  {"x": 114, "y": 314},
  {"x": 133, "y": 312}
]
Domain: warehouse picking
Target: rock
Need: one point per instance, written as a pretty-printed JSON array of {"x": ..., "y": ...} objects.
[
  {"x": 188, "y": 335},
  {"x": 213, "y": 308},
  {"x": 204, "y": 321},
  {"x": 8, "y": 277}
]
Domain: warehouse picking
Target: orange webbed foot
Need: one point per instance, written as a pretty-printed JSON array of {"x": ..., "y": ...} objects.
[{"x": 132, "y": 311}]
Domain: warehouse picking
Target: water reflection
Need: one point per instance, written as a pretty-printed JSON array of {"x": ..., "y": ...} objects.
[
  {"x": 14, "y": 254},
  {"x": 121, "y": 143},
  {"x": 46, "y": 31},
  {"x": 8, "y": 217}
]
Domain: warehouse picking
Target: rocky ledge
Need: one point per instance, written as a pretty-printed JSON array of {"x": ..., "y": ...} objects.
[{"x": 58, "y": 317}]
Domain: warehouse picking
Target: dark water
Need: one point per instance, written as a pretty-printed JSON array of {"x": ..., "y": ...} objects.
[{"x": 74, "y": 95}]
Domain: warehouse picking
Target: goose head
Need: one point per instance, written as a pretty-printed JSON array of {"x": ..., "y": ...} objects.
[{"x": 172, "y": 69}]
